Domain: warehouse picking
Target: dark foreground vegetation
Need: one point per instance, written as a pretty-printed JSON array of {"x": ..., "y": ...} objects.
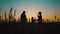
[{"x": 29, "y": 28}]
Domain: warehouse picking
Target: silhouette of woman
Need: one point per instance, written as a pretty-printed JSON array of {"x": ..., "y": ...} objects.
[{"x": 23, "y": 17}]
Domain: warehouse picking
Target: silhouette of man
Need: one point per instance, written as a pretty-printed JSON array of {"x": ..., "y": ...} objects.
[
  {"x": 39, "y": 17},
  {"x": 23, "y": 17}
]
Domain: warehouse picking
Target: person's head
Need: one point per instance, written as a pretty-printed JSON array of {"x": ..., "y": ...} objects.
[
  {"x": 32, "y": 17},
  {"x": 39, "y": 12},
  {"x": 24, "y": 12}
]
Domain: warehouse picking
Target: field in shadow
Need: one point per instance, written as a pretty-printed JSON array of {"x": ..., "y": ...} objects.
[{"x": 29, "y": 28}]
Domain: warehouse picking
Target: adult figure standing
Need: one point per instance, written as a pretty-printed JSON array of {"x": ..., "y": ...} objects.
[
  {"x": 39, "y": 17},
  {"x": 23, "y": 17}
]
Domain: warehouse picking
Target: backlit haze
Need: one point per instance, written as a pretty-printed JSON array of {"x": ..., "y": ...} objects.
[{"x": 49, "y": 8}]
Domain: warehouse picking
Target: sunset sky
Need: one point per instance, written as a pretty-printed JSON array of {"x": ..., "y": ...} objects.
[{"x": 49, "y": 8}]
